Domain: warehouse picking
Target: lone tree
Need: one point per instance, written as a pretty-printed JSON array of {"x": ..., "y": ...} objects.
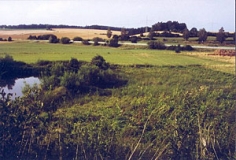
[
  {"x": 124, "y": 35},
  {"x": 114, "y": 41},
  {"x": 221, "y": 35},
  {"x": 193, "y": 32},
  {"x": 151, "y": 34},
  {"x": 9, "y": 39},
  {"x": 202, "y": 35},
  {"x": 186, "y": 34},
  {"x": 109, "y": 33}
]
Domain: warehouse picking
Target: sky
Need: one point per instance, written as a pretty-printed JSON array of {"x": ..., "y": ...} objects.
[{"x": 208, "y": 14}]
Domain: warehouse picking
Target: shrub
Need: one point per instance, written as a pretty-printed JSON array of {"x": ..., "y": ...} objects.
[
  {"x": 77, "y": 39},
  {"x": 114, "y": 41},
  {"x": 188, "y": 48},
  {"x": 171, "y": 48},
  {"x": 46, "y": 37},
  {"x": 156, "y": 45},
  {"x": 100, "y": 62},
  {"x": 53, "y": 39},
  {"x": 70, "y": 80},
  {"x": 85, "y": 42},
  {"x": 9, "y": 39},
  {"x": 32, "y": 37},
  {"x": 65, "y": 40},
  {"x": 74, "y": 64},
  {"x": 177, "y": 49},
  {"x": 134, "y": 39},
  {"x": 98, "y": 39}
]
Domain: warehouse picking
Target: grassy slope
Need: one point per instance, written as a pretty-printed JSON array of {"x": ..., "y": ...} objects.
[{"x": 162, "y": 92}]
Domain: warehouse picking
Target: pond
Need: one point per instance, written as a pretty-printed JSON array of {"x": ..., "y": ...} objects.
[{"x": 15, "y": 86}]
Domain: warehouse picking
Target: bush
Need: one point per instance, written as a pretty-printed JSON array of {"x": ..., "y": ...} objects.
[
  {"x": 100, "y": 62},
  {"x": 98, "y": 39},
  {"x": 32, "y": 37},
  {"x": 85, "y": 42},
  {"x": 53, "y": 39},
  {"x": 156, "y": 45},
  {"x": 65, "y": 40},
  {"x": 177, "y": 49},
  {"x": 74, "y": 65},
  {"x": 171, "y": 48},
  {"x": 188, "y": 48},
  {"x": 46, "y": 37},
  {"x": 77, "y": 39},
  {"x": 134, "y": 39},
  {"x": 9, "y": 39},
  {"x": 70, "y": 80},
  {"x": 114, "y": 41}
]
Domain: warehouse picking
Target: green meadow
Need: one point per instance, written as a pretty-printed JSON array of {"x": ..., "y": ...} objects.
[{"x": 125, "y": 55}]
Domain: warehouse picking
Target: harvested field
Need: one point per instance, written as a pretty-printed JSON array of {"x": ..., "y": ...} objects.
[
  {"x": 71, "y": 33},
  {"x": 223, "y": 52}
]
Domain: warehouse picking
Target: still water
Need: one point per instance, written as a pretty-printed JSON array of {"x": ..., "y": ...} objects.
[{"x": 15, "y": 86}]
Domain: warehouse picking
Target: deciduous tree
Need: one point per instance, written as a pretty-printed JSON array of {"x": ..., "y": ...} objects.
[
  {"x": 202, "y": 35},
  {"x": 194, "y": 32},
  {"x": 186, "y": 34},
  {"x": 109, "y": 33},
  {"x": 151, "y": 34},
  {"x": 221, "y": 35}
]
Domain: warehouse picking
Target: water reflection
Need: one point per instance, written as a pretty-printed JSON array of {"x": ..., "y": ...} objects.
[{"x": 15, "y": 86}]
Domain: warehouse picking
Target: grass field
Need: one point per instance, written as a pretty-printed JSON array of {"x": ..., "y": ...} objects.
[{"x": 33, "y": 51}]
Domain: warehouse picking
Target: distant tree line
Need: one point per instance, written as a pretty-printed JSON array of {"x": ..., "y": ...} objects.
[{"x": 174, "y": 26}]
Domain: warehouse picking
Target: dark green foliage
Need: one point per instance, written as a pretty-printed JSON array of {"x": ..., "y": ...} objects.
[
  {"x": 10, "y": 68},
  {"x": 124, "y": 35},
  {"x": 77, "y": 39},
  {"x": 46, "y": 37},
  {"x": 202, "y": 35},
  {"x": 9, "y": 39},
  {"x": 173, "y": 26},
  {"x": 187, "y": 48},
  {"x": 65, "y": 40},
  {"x": 100, "y": 62},
  {"x": 156, "y": 45},
  {"x": 53, "y": 39},
  {"x": 32, "y": 37},
  {"x": 77, "y": 77},
  {"x": 96, "y": 41},
  {"x": 193, "y": 32},
  {"x": 220, "y": 36},
  {"x": 177, "y": 49},
  {"x": 186, "y": 34},
  {"x": 85, "y": 42},
  {"x": 134, "y": 39},
  {"x": 114, "y": 41},
  {"x": 74, "y": 65}
]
